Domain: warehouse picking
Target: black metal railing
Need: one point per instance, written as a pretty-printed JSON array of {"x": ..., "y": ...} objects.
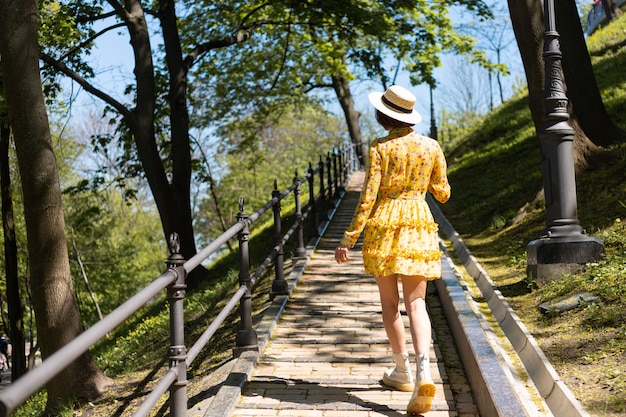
[{"x": 332, "y": 174}]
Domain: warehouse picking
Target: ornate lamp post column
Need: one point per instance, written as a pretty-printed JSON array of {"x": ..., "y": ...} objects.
[{"x": 564, "y": 244}]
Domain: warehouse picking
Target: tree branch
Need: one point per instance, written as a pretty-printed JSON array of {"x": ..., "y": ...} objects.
[
  {"x": 64, "y": 69},
  {"x": 118, "y": 9},
  {"x": 90, "y": 19},
  {"x": 89, "y": 40},
  {"x": 239, "y": 37},
  {"x": 242, "y": 34},
  {"x": 314, "y": 86}
]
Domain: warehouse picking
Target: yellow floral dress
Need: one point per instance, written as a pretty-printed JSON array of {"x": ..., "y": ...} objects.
[{"x": 401, "y": 236}]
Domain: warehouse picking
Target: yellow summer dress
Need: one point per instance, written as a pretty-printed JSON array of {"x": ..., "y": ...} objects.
[{"x": 401, "y": 236}]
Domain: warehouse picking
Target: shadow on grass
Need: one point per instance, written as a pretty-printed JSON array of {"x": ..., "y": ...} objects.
[{"x": 516, "y": 289}]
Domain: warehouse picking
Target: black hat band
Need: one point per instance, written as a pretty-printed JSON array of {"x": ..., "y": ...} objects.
[{"x": 395, "y": 106}]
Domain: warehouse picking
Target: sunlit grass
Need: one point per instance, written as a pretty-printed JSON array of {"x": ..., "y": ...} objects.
[{"x": 495, "y": 173}]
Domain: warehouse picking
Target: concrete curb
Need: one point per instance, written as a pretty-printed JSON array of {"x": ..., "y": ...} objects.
[
  {"x": 556, "y": 394},
  {"x": 491, "y": 386},
  {"x": 226, "y": 398}
]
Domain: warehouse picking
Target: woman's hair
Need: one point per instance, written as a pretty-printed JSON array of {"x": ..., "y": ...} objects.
[{"x": 389, "y": 122}]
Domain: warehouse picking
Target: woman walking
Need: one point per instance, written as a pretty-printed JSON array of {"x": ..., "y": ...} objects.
[{"x": 401, "y": 241}]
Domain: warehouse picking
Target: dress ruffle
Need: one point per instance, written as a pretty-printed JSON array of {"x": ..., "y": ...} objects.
[
  {"x": 398, "y": 214},
  {"x": 400, "y": 234}
]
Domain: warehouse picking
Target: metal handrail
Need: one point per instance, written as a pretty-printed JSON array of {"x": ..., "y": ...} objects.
[
  {"x": 173, "y": 279},
  {"x": 37, "y": 377}
]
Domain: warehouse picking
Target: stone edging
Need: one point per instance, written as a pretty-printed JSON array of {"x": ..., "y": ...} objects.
[
  {"x": 229, "y": 393},
  {"x": 552, "y": 389}
]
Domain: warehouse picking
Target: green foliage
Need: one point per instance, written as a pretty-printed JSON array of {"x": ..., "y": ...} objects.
[
  {"x": 33, "y": 407},
  {"x": 58, "y": 32},
  {"x": 295, "y": 48},
  {"x": 36, "y": 405},
  {"x": 255, "y": 152},
  {"x": 119, "y": 243},
  {"x": 495, "y": 173},
  {"x": 139, "y": 347},
  {"x": 608, "y": 55},
  {"x": 116, "y": 248},
  {"x": 116, "y": 244},
  {"x": 503, "y": 142}
]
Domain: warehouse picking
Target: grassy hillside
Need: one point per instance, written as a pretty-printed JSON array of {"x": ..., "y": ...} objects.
[{"x": 495, "y": 172}]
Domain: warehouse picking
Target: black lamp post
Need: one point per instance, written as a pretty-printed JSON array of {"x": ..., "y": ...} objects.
[{"x": 564, "y": 244}]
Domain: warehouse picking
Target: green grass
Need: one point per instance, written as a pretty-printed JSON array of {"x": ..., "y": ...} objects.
[
  {"x": 495, "y": 173},
  {"x": 135, "y": 354}
]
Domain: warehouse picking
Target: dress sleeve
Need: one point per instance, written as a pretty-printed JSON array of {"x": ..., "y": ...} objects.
[
  {"x": 367, "y": 200},
  {"x": 439, "y": 186}
]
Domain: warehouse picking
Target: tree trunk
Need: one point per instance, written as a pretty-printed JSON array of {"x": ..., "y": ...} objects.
[
  {"x": 172, "y": 200},
  {"x": 528, "y": 25},
  {"x": 527, "y": 21},
  {"x": 342, "y": 89},
  {"x": 499, "y": 79},
  {"x": 58, "y": 321},
  {"x": 179, "y": 122},
  {"x": 14, "y": 300},
  {"x": 582, "y": 89},
  {"x": 610, "y": 9}
]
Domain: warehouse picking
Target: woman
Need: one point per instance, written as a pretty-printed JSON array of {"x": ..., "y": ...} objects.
[{"x": 401, "y": 241}]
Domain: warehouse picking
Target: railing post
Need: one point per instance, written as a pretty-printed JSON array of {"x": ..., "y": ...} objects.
[
  {"x": 347, "y": 161},
  {"x": 342, "y": 167},
  {"x": 336, "y": 174},
  {"x": 331, "y": 202},
  {"x": 300, "y": 251},
  {"x": 177, "y": 351},
  {"x": 246, "y": 336},
  {"x": 324, "y": 207},
  {"x": 279, "y": 286},
  {"x": 313, "y": 231}
]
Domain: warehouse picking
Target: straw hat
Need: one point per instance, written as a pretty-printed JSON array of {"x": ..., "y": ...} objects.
[{"x": 397, "y": 102}]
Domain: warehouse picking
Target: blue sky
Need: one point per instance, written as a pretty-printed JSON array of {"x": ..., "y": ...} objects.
[{"x": 113, "y": 62}]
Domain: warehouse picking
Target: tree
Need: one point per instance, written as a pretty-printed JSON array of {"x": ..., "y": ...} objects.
[
  {"x": 528, "y": 25},
  {"x": 13, "y": 299},
  {"x": 234, "y": 57},
  {"x": 58, "y": 321},
  {"x": 582, "y": 89},
  {"x": 139, "y": 129},
  {"x": 464, "y": 95},
  {"x": 495, "y": 37},
  {"x": 280, "y": 149},
  {"x": 610, "y": 9}
]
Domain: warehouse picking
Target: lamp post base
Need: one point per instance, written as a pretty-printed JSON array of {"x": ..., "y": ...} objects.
[{"x": 550, "y": 259}]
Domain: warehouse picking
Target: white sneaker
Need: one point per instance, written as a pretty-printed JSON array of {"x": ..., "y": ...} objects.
[
  {"x": 425, "y": 389},
  {"x": 400, "y": 377}
]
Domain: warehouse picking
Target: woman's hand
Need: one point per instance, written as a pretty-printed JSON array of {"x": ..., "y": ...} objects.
[{"x": 341, "y": 254}]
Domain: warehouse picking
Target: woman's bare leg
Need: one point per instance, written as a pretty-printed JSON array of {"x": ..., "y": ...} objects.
[
  {"x": 392, "y": 320},
  {"x": 414, "y": 291}
]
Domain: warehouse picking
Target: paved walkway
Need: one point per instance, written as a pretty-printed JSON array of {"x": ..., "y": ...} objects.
[{"x": 328, "y": 353}]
